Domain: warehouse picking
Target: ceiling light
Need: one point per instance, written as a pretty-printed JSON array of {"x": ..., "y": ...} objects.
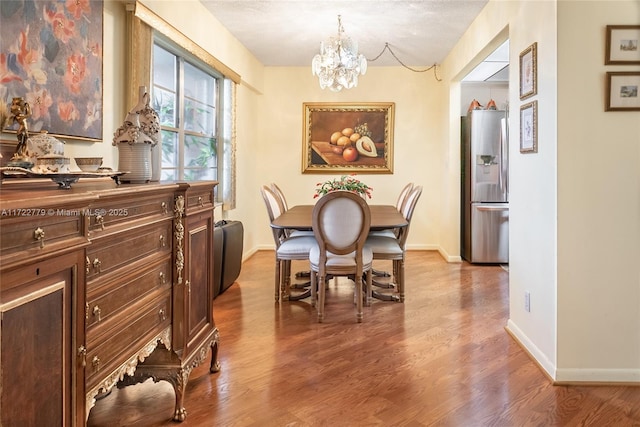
[{"x": 338, "y": 63}]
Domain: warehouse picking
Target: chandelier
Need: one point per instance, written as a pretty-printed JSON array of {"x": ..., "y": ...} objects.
[{"x": 338, "y": 63}]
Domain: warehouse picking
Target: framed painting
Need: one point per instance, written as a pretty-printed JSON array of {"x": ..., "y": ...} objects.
[
  {"x": 622, "y": 45},
  {"x": 345, "y": 137},
  {"x": 529, "y": 71},
  {"x": 529, "y": 127},
  {"x": 622, "y": 91},
  {"x": 51, "y": 56}
]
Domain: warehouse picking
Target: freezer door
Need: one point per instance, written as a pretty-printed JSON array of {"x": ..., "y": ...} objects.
[
  {"x": 489, "y": 158},
  {"x": 490, "y": 233}
]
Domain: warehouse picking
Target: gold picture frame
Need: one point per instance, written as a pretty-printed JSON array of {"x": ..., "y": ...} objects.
[
  {"x": 622, "y": 91},
  {"x": 347, "y": 137},
  {"x": 529, "y": 71},
  {"x": 529, "y": 127},
  {"x": 622, "y": 46}
]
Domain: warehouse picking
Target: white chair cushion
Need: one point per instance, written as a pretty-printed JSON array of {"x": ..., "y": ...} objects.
[
  {"x": 296, "y": 247},
  {"x": 298, "y": 233},
  {"x": 334, "y": 260},
  {"x": 383, "y": 233},
  {"x": 383, "y": 245}
]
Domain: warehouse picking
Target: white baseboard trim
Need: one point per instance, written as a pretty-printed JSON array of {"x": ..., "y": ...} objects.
[
  {"x": 593, "y": 376},
  {"x": 534, "y": 352}
]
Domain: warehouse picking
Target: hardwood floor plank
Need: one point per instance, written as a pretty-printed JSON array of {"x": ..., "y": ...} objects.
[{"x": 443, "y": 358}]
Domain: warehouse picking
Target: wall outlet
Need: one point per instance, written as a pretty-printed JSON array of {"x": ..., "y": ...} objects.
[{"x": 527, "y": 301}]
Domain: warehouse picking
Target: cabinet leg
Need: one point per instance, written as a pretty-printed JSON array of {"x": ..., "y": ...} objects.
[{"x": 215, "y": 363}]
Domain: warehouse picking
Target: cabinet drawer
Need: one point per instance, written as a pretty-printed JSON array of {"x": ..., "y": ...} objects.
[
  {"x": 38, "y": 232},
  {"x": 199, "y": 198},
  {"x": 103, "y": 302},
  {"x": 109, "y": 254},
  {"x": 108, "y": 214},
  {"x": 106, "y": 352}
]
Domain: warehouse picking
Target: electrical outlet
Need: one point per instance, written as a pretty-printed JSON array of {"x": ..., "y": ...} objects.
[{"x": 527, "y": 301}]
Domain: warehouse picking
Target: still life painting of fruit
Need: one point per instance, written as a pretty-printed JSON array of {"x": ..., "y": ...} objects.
[{"x": 348, "y": 137}]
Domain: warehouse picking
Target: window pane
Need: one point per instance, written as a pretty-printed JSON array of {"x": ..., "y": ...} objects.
[
  {"x": 199, "y": 101},
  {"x": 164, "y": 69},
  {"x": 164, "y": 102},
  {"x": 199, "y": 151},
  {"x": 169, "y": 149}
]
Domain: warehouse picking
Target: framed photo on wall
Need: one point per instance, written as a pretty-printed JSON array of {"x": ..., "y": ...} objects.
[
  {"x": 347, "y": 137},
  {"x": 53, "y": 53},
  {"x": 529, "y": 127},
  {"x": 622, "y": 91},
  {"x": 622, "y": 45},
  {"x": 529, "y": 71}
]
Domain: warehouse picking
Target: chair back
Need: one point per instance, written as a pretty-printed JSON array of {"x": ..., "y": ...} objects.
[
  {"x": 341, "y": 222},
  {"x": 402, "y": 197},
  {"x": 407, "y": 212},
  {"x": 278, "y": 192},
  {"x": 274, "y": 209}
]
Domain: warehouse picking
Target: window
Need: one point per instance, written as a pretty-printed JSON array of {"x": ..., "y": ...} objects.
[{"x": 189, "y": 98}]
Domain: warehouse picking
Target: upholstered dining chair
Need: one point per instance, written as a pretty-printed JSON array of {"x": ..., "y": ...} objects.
[
  {"x": 393, "y": 247},
  {"x": 288, "y": 248},
  {"x": 341, "y": 222},
  {"x": 284, "y": 206}
]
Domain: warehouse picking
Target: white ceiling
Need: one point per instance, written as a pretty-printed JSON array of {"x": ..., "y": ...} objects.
[{"x": 289, "y": 32}]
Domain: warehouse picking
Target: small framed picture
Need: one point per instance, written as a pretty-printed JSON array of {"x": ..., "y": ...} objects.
[
  {"x": 529, "y": 127},
  {"x": 622, "y": 91},
  {"x": 622, "y": 45},
  {"x": 529, "y": 72}
]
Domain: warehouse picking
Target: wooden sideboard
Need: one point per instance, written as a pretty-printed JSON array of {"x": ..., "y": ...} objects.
[{"x": 101, "y": 285}]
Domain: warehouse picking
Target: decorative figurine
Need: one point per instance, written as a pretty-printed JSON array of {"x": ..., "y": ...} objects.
[{"x": 20, "y": 112}]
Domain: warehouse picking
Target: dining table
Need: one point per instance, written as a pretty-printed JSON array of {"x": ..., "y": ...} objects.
[{"x": 383, "y": 217}]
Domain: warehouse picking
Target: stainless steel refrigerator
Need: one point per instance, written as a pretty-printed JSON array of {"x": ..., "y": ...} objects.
[{"x": 485, "y": 187}]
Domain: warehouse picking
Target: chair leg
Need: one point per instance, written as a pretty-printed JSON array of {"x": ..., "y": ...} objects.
[
  {"x": 358, "y": 285},
  {"x": 278, "y": 281},
  {"x": 321, "y": 296},
  {"x": 369, "y": 279},
  {"x": 314, "y": 288},
  {"x": 286, "y": 279},
  {"x": 401, "y": 279}
]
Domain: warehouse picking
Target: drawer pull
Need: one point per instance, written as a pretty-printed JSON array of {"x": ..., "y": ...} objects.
[
  {"x": 100, "y": 220},
  {"x": 82, "y": 352},
  {"x": 97, "y": 313},
  {"x": 96, "y": 265},
  {"x": 162, "y": 314},
  {"x": 163, "y": 207},
  {"x": 188, "y": 285},
  {"x": 163, "y": 244},
  {"x": 200, "y": 202},
  {"x": 38, "y": 235},
  {"x": 96, "y": 363},
  {"x": 163, "y": 278}
]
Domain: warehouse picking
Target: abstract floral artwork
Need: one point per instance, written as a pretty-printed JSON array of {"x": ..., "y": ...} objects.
[{"x": 51, "y": 55}]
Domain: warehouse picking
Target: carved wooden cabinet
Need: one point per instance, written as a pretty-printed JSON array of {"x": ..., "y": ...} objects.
[{"x": 105, "y": 285}]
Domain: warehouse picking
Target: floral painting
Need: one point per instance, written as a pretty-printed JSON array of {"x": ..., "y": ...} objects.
[{"x": 51, "y": 55}]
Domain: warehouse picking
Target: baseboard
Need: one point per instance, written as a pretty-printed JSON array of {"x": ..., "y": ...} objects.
[{"x": 538, "y": 357}]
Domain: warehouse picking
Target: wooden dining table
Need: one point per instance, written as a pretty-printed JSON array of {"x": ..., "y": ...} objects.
[{"x": 383, "y": 217}]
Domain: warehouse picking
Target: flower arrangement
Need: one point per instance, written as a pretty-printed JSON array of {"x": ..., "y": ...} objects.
[{"x": 345, "y": 183}]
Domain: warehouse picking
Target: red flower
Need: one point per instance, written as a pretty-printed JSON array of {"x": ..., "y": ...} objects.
[
  {"x": 64, "y": 29},
  {"x": 68, "y": 111},
  {"x": 74, "y": 75},
  {"x": 78, "y": 7}
]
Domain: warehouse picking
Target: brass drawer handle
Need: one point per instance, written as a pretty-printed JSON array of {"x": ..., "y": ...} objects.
[
  {"x": 97, "y": 313},
  {"x": 100, "y": 220},
  {"x": 163, "y": 207},
  {"x": 96, "y": 363},
  {"x": 163, "y": 315},
  {"x": 96, "y": 265},
  {"x": 163, "y": 278},
  {"x": 82, "y": 352},
  {"x": 188, "y": 285},
  {"x": 38, "y": 235},
  {"x": 163, "y": 244},
  {"x": 200, "y": 201}
]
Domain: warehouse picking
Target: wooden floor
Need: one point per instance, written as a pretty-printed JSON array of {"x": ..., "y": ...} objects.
[{"x": 441, "y": 358}]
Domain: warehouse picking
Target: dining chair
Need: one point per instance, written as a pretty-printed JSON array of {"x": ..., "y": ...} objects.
[
  {"x": 288, "y": 248},
  {"x": 284, "y": 207},
  {"x": 393, "y": 248},
  {"x": 341, "y": 222}
]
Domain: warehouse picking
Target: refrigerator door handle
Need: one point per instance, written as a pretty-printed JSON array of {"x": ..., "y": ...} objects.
[{"x": 492, "y": 208}]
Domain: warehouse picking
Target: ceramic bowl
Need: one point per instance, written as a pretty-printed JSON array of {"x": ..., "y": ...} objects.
[
  {"x": 88, "y": 164},
  {"x": 52, "y": 164}
]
